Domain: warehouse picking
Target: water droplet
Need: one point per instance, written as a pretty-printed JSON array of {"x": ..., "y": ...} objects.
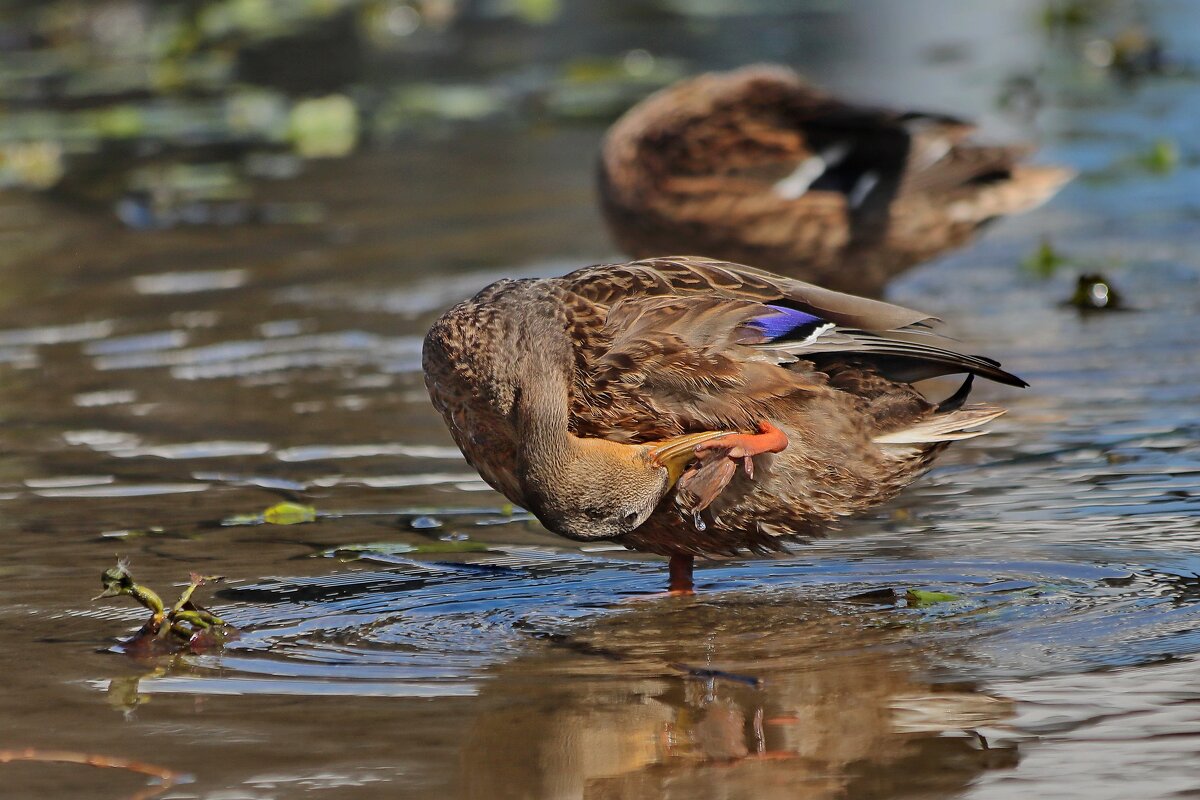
[{"x": 699, "y": 523}]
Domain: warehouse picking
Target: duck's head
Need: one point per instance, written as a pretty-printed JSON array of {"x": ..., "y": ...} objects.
[{"x": 607, "y": 489}]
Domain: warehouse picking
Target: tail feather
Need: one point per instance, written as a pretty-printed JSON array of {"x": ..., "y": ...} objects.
[
  {"x": 1028, "y": 187},
  {"x": 905, "y": 359},
  {"x": 952, "y": 427},
  {"x": 955, "y": 401}
]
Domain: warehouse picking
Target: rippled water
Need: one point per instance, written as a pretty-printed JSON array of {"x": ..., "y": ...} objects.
[{"x": 157, "y": 385}]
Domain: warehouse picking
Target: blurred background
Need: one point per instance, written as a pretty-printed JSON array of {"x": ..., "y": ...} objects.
[
  {"x": 192, "y": 113},
  {"x": 224, "y": 229}
]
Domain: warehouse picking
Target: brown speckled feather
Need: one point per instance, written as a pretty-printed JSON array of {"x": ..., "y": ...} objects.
[
  {"x": 757, "y": 166},
  {"x": 659, "y": 348}
]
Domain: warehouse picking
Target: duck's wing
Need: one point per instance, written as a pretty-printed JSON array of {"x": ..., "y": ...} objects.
[
  {"x": 714, "y": 319},
  {"x": 683, "y": 357},
  {"x": 807, "y": 148}
]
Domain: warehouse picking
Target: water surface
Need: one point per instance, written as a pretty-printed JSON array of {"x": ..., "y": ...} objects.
[{"x": 154, "y": 383}]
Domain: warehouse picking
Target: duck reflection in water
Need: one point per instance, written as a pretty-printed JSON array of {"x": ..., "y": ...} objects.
[{"x": 842, "y": 711}]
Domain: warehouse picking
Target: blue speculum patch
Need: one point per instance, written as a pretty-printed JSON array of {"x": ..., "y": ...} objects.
[{"x": 783, "y": 321}]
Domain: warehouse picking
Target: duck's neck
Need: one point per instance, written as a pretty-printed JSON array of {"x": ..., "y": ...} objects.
[
  {"x": 557, "y": 467},
  {"x": 540, "y": 371},
  {"x": 542, "y": 413}
]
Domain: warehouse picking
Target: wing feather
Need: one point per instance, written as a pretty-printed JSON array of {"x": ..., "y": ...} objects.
[{"x": 690, "y": 334}]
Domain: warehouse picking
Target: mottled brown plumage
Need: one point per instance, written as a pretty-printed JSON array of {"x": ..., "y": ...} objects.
[
  {"x": 604, "y": 401},
  {"x": 756, "y": 166}
]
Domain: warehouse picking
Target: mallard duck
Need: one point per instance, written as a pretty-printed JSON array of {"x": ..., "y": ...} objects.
[
  {"x": 685, "y": 406},
  {"x": 758, "y": 166}
]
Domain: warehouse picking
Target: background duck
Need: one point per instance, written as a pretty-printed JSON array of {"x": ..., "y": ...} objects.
[
  {"x": 686, "y": 406},
  {"x": 757, "y": 166}
]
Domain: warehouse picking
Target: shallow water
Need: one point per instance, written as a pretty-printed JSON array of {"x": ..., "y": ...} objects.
[{"x": 155, "y": 384}]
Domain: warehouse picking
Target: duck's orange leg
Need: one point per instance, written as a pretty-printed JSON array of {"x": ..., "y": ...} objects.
[
  {"x": 681, "y": 576},
  {"x": 745, "y": 446}
]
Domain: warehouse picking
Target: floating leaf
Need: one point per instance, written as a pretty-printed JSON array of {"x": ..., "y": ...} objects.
[
  {"x": 289, "y": 514},
  {"x": 324, "y": 127},
  {"x": 37, "y": 165},
  {"x": 921, "y": 597},
  {"x": 1066, "y": 15},
  {"x": 538, "y": 12},
  {"x": 423, "y": 102},
  {"x": 119, "y": 122},
  {"x": 1161, "y": 158}
]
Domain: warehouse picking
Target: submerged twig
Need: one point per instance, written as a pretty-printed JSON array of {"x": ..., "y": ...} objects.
[{"x": 167, "y": 778}]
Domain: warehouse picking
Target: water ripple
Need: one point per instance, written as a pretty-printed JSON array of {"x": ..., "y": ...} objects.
[{"x": 440, "y": 624}]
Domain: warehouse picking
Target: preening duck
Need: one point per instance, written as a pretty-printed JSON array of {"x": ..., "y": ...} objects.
[
  {"x": 686, "y": 406},
  {"x": 758, "y": 166}
]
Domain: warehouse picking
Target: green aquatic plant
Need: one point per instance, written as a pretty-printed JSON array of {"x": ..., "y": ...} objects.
[
  {"x": 184, "y": 622},
  {"x": 1067, "y": 15},
  {"x": 118, "y": 581},
  {"x": 1160, "y": 158},
  {"x": 1044, "y": 260},
  {"x": 590, "y": 87}
]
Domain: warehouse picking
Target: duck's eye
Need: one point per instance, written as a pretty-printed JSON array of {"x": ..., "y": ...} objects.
[{"x": 630, "y": 518}]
